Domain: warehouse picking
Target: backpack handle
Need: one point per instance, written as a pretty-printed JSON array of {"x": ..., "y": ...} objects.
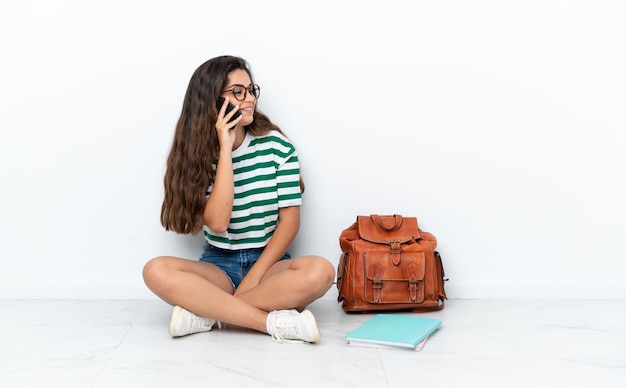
[{"x": 385, "y": 222}]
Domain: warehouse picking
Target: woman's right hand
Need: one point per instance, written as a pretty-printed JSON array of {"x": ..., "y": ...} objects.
[{"x": 225, "y": 130}]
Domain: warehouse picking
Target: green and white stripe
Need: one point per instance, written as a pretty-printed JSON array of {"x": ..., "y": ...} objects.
[{"x": 267, "y": 177}]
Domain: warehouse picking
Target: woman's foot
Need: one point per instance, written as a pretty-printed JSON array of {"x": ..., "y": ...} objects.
[
  {"x": 292, "y": 326},
  {"x": 185, "y": 322}
]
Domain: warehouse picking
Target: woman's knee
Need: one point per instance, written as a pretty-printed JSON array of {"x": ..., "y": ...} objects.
[
  {"x": 321, "y": 271},
  {"x": 155, "y": 271}
]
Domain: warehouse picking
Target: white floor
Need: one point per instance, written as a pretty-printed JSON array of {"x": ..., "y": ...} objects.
[{"x": 482, "y": 343}]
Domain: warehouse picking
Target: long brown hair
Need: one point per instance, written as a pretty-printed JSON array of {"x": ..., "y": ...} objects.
[{"x": 195, "y": 147}]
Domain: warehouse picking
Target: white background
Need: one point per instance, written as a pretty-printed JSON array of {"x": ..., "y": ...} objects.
[{"x": 500, "y": 125}]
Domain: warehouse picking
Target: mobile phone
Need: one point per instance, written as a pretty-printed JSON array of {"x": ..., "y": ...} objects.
[{"x": 229, "y": 107}]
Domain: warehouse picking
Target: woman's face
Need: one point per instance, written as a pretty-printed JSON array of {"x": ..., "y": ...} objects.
[{"x": 237, "y": 89}]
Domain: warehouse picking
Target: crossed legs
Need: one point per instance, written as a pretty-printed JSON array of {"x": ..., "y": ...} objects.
[{"x": 205, "y": 290}]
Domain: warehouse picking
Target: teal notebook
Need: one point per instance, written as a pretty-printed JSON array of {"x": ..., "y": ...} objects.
[{"x": 405, "y": 331}]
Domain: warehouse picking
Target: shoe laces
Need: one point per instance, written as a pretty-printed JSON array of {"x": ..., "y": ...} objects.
[
  {"x": 284, "y": 324},
  {"x": 199, "y": 322}
]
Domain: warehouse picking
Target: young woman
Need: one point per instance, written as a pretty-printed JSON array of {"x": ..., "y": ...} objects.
[{"x": 238, "y": 182}]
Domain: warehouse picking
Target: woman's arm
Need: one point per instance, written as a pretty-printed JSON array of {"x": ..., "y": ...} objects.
[
  {"x": 219, "y": 206},
  {"x": 286, "y": 231}
]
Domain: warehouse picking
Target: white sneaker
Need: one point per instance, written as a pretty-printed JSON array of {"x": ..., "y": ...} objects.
[
  {"x": 292, "y": 326},
  {"x": 185, "y": 322}
]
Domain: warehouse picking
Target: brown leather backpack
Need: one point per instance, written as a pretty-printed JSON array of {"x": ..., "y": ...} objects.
[{"x": 388, "y": 263}]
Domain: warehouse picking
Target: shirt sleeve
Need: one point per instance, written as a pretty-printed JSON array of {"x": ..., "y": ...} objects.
[{"x": 288, "y": 180}]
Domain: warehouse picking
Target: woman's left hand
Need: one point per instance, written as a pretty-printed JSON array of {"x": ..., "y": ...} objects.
[{"x": 247, "y": 283}]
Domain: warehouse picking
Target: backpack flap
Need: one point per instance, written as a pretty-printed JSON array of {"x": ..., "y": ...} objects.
[{"x": 387, "y": 229}]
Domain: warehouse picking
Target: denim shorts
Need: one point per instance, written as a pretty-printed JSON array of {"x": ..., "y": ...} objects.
[{"x": 234, "y": 263}]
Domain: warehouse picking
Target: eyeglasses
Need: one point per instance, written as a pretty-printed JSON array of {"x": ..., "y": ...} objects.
[{"x": 240, "y": 92}]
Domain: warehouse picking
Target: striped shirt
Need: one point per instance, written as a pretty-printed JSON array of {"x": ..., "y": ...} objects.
[{"x": 267, "y": 177}]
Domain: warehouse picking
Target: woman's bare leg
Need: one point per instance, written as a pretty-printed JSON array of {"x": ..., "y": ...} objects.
[
  {"x": 203, "y": 289},
  {"x": 291, "y": 284}
]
